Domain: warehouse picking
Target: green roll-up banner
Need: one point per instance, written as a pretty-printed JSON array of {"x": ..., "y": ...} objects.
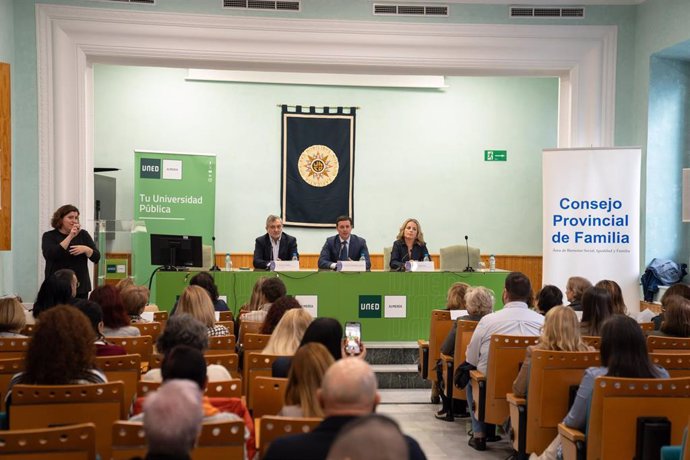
[{"x": 174, "y": 194}]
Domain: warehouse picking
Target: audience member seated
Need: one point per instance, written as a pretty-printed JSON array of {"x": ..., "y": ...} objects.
[
  {"x": 623, "y": 354},
  {"x": 183, "y": 329},
  {"x": 206, "y": 281},
  {"x": 309, "y": 365},
  {"x": 271, "y": 290},
  {"x": 676, "y": 321},
  {"x": 95, "y": 315},
  {"x": 408, "y": 245},
  {"x": 256, "y": 300},
  {"x": 288, "y": 333},
  {"x": 479, "y": 302},
  {"x": 516, "y": 318},
  {"x": 574, "y": 289},
  {"x": 348, "y": 391},
  {"x": 53, "y": 291},
  {"x": 115, "y": 317},
  {"x": 561, "y": 332},
  {"x": 680, "y": 289},
  {"x": 326, "y": 331},
  {"x": 596, "y": 308},
  {"x": 617, "y": 303},
  {"x": 357, "y": 438},
  {"x": 172, "y": 420},
  {"x": 188, "y": 363},
  {"x": 276, "y": 312},
  {"x": 67, "y": 275},
  {"x": 196, "y": 302},
  {"x": 12, "y": 318},
  {"x": 135, "y": 299},
  {"x": 548, "y": 297},
  {"x": 61, "y": 352}
]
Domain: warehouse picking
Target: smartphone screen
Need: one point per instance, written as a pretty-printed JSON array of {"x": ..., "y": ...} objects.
[{"x": 353, "y": 335}]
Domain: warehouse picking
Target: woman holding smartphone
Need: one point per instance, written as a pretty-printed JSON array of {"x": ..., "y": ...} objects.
[{"x": 68, "y": 246}]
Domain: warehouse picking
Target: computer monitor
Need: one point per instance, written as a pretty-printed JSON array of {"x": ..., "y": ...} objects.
[{"x": 176, "y": 250}]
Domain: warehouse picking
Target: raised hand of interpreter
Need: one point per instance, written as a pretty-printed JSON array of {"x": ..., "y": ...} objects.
[{"x": 79, "y": 249}]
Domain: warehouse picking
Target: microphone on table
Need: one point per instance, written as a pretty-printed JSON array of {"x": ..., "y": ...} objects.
[
  {"x": 467, "y": 245},
  {"x": 214, "y": 268}
]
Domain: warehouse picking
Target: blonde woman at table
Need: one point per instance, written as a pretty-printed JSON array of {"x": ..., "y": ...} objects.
[{"x": 409, "y": 245}]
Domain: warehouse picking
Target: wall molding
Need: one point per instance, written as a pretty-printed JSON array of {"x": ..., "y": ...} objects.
[{"x": 71, "y": 39}]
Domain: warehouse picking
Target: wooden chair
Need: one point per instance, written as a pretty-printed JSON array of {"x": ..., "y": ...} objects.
[
  {"x": 126, "y": 369},
  {"x": 8, "y": 367},
  {"x": 465, "y": 329},
  {"x": 676, "y": 345},
  {"x": 217, "y": 440},
  {"x": 647, "y": 327},
  {"x": 253, "y": 342},
  {"x": 257, "y": 365},
  {"x": 616, "y": 405},
  {"x": 592, "y": 341},
  {"x": 222, "y": 344},
  {"x": 28, "y": 330},
  {"x": 677, "y": 364},
  {"x": 551, "y": 375},
  {"x": 153, "y": 329},
  {"x": 267, "y": 396},
  {"x": 44, "y": 406},
  {"x": 226, "y": 316},
  {"x": 229, "y": 361},
  {"x": 430, "y": 350},
  {"x": 220, "y": 389},
  {"x": 271, "y": 427},
  {"x": 142, "y": 346},
  {"x": 506, "y": 354},
  {"x": 248, "y": 327},
  {"x": 161, "y": 317},
  {"x": 74, "y": 442},
  {"x": 13, "y": 348},
  {"x": 230, "y": 325}
]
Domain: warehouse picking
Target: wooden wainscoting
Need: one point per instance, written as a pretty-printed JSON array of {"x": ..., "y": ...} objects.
[
  {"x": 529, "y": 265},
  {"x": 5, "y": 159}
]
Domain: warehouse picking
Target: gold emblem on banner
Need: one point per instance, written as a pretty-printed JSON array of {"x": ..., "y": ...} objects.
[{"x": 318, "y": 165}]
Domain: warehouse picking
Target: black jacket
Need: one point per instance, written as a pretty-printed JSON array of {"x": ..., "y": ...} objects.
[{"x": 263, "y": 251}]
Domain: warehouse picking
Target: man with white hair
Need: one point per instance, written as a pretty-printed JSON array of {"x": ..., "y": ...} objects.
[
  {"x": 348, "y": 391},
  {"x": 172, "y": 420}
]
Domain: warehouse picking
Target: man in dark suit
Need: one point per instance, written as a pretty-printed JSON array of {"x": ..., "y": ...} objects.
[
  {"x": 348, "y": 391},
  {"x": 274, "y": 245},
  {"x": 343, "y": 246}
]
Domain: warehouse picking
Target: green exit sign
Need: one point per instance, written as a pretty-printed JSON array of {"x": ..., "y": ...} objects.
[{"x": 495, "y": 155}]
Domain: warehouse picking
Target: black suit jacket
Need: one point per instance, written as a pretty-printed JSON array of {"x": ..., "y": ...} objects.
[
  {"x": 263, "y": 251},
  {"x": 315, "y": 445},
  {"x": 331, "y": 251},
  {"x": 399, "y": 254}
]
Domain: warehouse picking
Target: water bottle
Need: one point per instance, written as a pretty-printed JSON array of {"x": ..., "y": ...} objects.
[
  {"x": 294, "y": 256},
  {"x": 228, "y": 262},
  {"x": 492, "y": 263},
  {"x": 426, "y": 257}
]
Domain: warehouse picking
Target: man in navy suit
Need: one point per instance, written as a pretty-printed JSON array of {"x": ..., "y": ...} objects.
[
  {"x": 343, "y": 246},
  {"x": 274, "y": 245}
]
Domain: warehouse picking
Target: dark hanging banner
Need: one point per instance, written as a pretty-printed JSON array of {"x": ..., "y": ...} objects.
[{"x": 318, "y": 160}]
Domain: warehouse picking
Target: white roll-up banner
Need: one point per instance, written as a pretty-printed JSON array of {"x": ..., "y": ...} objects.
[{"x": 591, "y": 201}]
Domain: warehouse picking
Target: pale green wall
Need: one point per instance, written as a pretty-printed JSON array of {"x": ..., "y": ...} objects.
[
  {"x": 660, "y": 24},
  {"x": 630, "y": 83},
  {"x": 6, "y": 56},
  {"x": 419, "y": 152}
]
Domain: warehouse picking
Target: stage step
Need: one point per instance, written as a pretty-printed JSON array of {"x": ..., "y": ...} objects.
[{"x": 396, "y": 365}]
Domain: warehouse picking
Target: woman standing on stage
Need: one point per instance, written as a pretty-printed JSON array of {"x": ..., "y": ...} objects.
[
  {"x": 409, "y": 245},
  {"x": 68, "y": 246}
]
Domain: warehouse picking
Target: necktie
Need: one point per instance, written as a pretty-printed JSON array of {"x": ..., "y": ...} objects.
[{"x": 343, "y": 251}]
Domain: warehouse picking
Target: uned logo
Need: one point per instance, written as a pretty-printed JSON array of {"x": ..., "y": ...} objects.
[
  {"x": 150, "y": 168},
  {"x": 370, "y": 306}
]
